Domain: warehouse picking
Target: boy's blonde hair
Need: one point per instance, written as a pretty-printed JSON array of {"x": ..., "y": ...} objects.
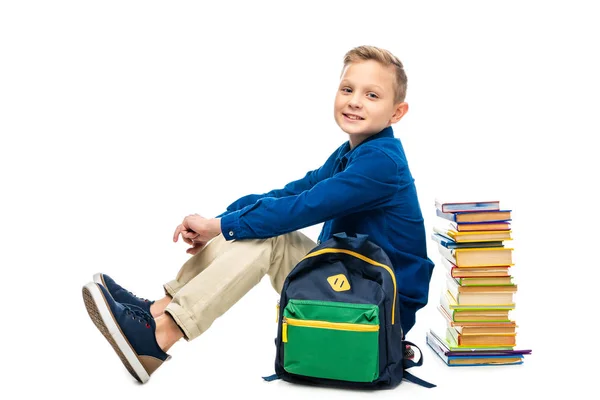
[{"x": 363, "y": 53}]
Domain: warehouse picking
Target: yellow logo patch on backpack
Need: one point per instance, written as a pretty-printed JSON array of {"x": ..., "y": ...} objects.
[{"x": 339, "y": 282}]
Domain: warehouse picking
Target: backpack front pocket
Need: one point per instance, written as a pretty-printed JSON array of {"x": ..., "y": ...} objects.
[{"x": 332, "y": 340}]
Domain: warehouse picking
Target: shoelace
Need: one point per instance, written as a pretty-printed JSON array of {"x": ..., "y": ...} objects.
[{"x": 138, "y": 313}]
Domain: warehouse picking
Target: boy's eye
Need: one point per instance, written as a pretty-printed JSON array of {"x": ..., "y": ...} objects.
[
  {"x": 346, "y": 90},
  {"x": 372, "y": 95}
]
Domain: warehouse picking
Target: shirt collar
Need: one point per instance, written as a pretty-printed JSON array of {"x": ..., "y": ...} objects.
[{"x": 345, "y": 152}]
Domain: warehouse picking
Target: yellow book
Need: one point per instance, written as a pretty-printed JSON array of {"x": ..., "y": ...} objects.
[
  {"x": 479, "y": 257},
  {"x": 480, "y": 226},
  {"x": 479, "y": 236},
  {"x": 485, "y": 281},
  {"x": 473, "y": 236}
]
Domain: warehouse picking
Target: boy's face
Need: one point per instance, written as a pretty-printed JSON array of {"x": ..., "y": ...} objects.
[{"x": 364, "y": 103}]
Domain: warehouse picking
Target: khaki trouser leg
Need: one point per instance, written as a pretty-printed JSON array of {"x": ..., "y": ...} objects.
[{"x": 213, "y": 280}]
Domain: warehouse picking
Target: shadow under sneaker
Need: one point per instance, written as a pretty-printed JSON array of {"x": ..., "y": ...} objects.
[
  {"x": 128, "y": 329},
  {"x": 120, "y": 294}
]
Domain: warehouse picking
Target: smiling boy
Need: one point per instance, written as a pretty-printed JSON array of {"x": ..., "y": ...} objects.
[
  {"x": 368, "y": 99},
  {"x": 365, "y": 186}
]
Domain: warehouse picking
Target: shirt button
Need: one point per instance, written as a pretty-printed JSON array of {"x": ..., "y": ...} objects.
[{"x": 230, "y": 233}]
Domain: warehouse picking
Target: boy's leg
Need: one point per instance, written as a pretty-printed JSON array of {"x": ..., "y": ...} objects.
[
  {"x": 196, "y": 264},
  {"x": 229, "y": 271}
]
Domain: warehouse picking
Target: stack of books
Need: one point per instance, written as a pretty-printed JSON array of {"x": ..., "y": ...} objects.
[{"x": 479, "y": 287}]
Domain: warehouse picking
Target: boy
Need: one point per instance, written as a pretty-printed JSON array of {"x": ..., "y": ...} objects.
[{"x": 364, "y": 187}]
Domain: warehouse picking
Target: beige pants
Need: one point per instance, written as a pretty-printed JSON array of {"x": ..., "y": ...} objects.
[{"x": 212, "y": 281}]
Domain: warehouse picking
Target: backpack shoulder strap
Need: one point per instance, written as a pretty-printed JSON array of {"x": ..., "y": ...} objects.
[
  {"x": 271, "y": 378},
  {"x": 411, "y": 378},
  {"x": 410, "y": 363}
]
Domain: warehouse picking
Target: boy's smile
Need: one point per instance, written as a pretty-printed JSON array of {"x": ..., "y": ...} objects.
[
  {"x": 364, "y": 103},
  {"x": 352, "y": 117}
]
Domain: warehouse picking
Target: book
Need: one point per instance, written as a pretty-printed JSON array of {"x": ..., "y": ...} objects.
[
  {"x": 451, "y": 244},
  {"x": 483, "y": 257},
  {"x": 471, "y": 358},
  {"x": 456, "y": 286},
  {"x": 478, "y": 316},
  {"x": 466, "y": 352},
  {"x": 471, "y": 298},
  {"x": 480, "y": 226},
  {"x": 487, "y": 281},
  {"x": 497, "y": 329},
  {"x": 472, "y": 236},
  {"x": 470, "y": 327},
  {"x": 480, "y": 272},
  {"x": 480, "y": 341},
  {"x": 457, "y": 341},
  {"x": 476, "y": 216},
  {"x": 454, "y": 304},
  {"x": 473, "y": 314},
  {"x": 475, "y": 272},
  {"x": 447, "y": 205}
]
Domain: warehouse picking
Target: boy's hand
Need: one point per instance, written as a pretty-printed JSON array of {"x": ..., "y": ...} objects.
[{"x": 196, "y": 231}]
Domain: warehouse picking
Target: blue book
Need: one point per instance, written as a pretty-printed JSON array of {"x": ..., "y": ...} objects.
[
  {"x": 475, "y": 216},
  {"x": 455, "y": 205},
  {"x": 476, "y": 357}
]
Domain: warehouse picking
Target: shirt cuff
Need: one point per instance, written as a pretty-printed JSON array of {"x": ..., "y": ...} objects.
[{"x": 230, "y": 225}]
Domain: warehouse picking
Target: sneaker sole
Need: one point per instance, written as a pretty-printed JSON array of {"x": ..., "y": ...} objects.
[{"x": 102, "y": 317}]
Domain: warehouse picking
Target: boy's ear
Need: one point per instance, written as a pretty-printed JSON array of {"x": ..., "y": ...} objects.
[{"x": 399, "y": 112}]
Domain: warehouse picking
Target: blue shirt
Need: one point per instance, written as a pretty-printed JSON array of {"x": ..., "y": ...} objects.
[{"x": 368, "y": 190}]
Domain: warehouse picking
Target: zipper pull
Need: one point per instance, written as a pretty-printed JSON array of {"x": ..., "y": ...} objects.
[{"x": 284, "y": 331}]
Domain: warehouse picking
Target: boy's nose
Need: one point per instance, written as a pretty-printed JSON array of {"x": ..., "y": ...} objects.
[{"x": 355, "y": 102}]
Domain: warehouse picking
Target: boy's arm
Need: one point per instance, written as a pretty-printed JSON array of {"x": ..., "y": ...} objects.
[
  {"x": 366, "y": 183},
  {"x": 293, "y": 188}
]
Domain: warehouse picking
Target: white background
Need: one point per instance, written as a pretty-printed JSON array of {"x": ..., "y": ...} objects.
[{"x": 118, "y": 118}]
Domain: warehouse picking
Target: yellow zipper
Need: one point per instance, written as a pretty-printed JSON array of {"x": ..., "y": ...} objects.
[
  {"x": 366, "y": 259},
  {"x": 339, "y": 326}
]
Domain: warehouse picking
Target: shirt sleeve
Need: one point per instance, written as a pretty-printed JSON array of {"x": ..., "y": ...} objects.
[
  {"x": 369, "y": 180},
  {"x": 291, "y": 189}
]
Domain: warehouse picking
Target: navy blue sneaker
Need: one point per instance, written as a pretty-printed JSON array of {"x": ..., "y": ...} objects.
[
  {"x": 121, "y": 295},
  {"x": 128, "y": 329}
]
